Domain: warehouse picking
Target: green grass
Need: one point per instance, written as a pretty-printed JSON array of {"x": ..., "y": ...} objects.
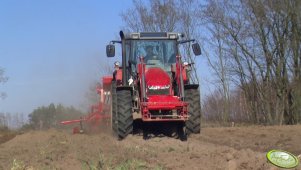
[
  {"x": 109, "y": 163},
  {"x": 95, "y": 165},
  {"x": 132, "y": 164},
  {"x": 170, "y": 149},
  {"x": 18, "y": 165}
]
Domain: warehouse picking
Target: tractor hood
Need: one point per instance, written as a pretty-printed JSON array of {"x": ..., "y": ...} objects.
[{"x": 156, "y": 78}]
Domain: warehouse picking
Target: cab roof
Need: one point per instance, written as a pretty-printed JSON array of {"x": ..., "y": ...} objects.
[{"x": 154, "y": 35}]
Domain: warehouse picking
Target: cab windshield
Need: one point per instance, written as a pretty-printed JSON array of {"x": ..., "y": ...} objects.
[{"x": 156, "y": 53}]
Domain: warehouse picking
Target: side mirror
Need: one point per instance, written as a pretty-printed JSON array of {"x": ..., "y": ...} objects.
[
  {"x": 196, "y": 49},
  {"x": 110, "y": 50}
]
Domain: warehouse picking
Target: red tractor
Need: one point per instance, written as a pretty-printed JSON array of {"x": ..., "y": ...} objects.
[
  {"x": 152, "y": 84},
  {"x": 99, "y": 113}
]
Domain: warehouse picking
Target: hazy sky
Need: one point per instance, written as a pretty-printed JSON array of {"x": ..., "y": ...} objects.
[{"x": 52, "y": 50}]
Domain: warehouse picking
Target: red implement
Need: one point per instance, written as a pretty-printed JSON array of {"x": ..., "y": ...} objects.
[{"x": 99, "y": 113}]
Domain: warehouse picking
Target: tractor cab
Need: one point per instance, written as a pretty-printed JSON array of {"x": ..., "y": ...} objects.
[
  {"x": 158, "y": 49},
  {"x": 156, "y": 57}
]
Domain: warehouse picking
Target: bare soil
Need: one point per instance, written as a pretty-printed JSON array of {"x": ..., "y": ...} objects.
[
  {"x": 215, "y": 148},
  {"x": 6, "y": 135}
]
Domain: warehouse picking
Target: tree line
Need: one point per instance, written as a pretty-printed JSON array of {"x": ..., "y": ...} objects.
[
  {"x": 252, "y": 47},
  {"x": 43, "y": 117}
]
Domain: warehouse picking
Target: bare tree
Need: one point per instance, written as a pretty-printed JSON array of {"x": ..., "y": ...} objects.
[
  {"x": 166, "y": 16},
  {"x": 220, "y": 69},
  {"x": 254, "y": 46},
  {"x": 153, "y": 16},
  {"x": 260, "y": 38},
  {"x": 3, "y": 120},
  {"x": 3, "y": 79},
  {"x": 188, "y": 24}
]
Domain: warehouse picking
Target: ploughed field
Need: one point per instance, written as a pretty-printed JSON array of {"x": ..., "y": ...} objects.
[{"x": 215, "y": 148}]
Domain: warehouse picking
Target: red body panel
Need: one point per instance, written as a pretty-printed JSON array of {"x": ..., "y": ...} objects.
[
  {"x": 184, "y": 74},
  {"x": 160, "y": 107},
  {"x": 106, "y": 80},
  {"x": 165, "y": 102},
  {"x": 156, "y": 77},
  {"x": 119, "y": 75}
]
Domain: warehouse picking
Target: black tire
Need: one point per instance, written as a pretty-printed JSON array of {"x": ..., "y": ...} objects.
[
  {"x": 182, "y": 131},
  {"x": 114, "y": 122},
  {"x": 124, "y": 113},
  {"x": 193, "y": 124}
]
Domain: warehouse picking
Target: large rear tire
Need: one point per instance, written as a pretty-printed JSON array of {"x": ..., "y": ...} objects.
[
  {"x": 124, "y": 113},
  {"x": 193, "y": 124},
  {"x": 114, "y": 121}
]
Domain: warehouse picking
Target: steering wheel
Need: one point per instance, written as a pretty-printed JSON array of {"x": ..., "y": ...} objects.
[{"x": 153, "y": 61}]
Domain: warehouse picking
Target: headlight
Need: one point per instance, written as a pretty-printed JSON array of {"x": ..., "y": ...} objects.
[
  {"x": 158, "y": 87},
  {"x": 117, "y": 63},
  {"x": 185, "y": 63}
]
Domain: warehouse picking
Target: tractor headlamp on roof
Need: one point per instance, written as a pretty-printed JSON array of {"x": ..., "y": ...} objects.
[
  {"x": 135, "y": 35},
  {"x": 172, "y": 36},
  {"x": 154, "y": 35}
]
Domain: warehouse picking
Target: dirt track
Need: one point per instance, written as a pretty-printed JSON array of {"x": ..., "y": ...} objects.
[{"x": 214, "y": 148}]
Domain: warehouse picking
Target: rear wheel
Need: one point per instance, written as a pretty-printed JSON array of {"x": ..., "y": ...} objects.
[
  {"x": 193, "y": 124},
  {"x": 114, "y": 121},
  {"x": 124, "y": 113}
]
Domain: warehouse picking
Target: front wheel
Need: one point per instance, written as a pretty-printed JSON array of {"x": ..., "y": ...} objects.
[
  {"x": 182, "y": 131},
  {"x": 124, "y": 113},
  {"x": 193, "y": 124}
]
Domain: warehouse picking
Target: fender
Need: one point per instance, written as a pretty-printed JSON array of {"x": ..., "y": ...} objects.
[
  {"x": 118, "y": 88},
  {"x": 191, "y": 86}
]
